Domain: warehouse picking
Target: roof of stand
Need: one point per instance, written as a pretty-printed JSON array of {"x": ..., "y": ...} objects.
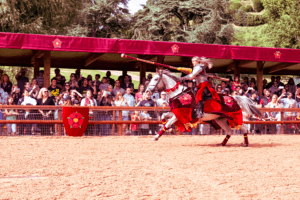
[{"x": 18, "y": 49}]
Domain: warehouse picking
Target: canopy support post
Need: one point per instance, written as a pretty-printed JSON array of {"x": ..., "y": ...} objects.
[
  {"x": 260, "y": 73},
  {"x": 47, "y": 67}
]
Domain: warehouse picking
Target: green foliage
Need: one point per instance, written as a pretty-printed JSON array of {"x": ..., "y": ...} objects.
[
  {"x": 283, "y": 22},
  {"x": 105, "y": 19},
  {"x": 258, "y": 5},
  {"x": 35, "y": 16},
  {"x": 252, "y": 36},
  {"x": 183, "y": 21},
  {"x": 235, "y": 6}
]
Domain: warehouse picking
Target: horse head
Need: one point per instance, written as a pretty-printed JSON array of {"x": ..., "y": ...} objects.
[
  {"x": 156, "y": 82},
  {"x": 163, "y": 79}
]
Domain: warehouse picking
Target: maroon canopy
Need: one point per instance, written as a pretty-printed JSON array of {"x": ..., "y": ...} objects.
[{"x": 101, "y": 45}]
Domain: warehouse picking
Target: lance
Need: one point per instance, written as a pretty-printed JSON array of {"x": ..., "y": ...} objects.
[{"x": 181, "y": 69}]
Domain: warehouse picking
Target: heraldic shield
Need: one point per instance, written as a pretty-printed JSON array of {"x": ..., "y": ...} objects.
[{"x": 75, "y": 120}]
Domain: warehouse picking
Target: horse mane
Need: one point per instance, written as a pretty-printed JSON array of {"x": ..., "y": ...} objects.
[{"x": 173, "y": 76}]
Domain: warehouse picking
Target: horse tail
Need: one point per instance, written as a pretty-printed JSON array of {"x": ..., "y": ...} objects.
[{"x": 247, "y": 105}]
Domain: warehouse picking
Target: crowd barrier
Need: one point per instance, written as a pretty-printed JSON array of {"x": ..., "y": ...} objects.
[{"x": 104, "y": 121}]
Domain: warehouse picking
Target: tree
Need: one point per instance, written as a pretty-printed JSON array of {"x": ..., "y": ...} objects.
[
  {"x": 283, "y": 22},
  {"x": 184, "y": 21},
  {"x": 102, "y": 18},
  {"x": 39, "y": 17}
]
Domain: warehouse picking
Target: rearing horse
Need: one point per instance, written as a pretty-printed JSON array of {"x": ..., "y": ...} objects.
[{"x": 224, "y": 115}]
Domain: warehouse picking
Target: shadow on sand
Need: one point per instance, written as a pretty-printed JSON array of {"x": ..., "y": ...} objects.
[{"x": 251, "y": 145}]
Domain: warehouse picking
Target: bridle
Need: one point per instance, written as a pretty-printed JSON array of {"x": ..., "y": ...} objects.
[{"x": 160, "y": 72}]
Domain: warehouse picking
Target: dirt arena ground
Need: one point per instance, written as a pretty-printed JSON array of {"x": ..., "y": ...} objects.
[{"x": 135, "y": 167}]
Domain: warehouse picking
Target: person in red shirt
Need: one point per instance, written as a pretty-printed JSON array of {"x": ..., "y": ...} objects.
[{"x": 266, "y": 99}]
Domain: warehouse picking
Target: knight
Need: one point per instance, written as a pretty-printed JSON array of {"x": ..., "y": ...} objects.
[{"x": 205, "y": 91}]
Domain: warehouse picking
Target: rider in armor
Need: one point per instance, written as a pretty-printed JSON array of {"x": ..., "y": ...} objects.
[{"x": 205, "y": 91}]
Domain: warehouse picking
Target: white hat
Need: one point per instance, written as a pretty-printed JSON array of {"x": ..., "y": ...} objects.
[{"x": 163, "y": 92}]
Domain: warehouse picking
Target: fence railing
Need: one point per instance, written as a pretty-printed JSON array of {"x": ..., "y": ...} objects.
[{"x": 105, "y": 120}]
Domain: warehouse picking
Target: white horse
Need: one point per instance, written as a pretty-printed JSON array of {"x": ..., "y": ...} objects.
[{"x": 164, "y": 79}]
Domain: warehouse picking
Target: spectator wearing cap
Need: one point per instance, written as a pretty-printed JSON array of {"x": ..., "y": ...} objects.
[
  {"x": 118, "y": 88},
  {"x": 162, "y": 99},
  {"x": 6, "y": 84},
  {"x": 22, "y": 79},
  {"x": 53, "y": 88},
  {"x": 66, "y": 100},
  {"x": 45, "y": 100},
  {"x": 127, "y": 83},
  {"x": 40, "y": 78}
]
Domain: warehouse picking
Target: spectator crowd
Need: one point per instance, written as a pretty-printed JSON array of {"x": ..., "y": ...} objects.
[{"x": 105, "y": 91}]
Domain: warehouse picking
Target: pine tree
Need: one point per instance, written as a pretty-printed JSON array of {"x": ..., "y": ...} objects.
[
  {"x": 102, "y": 18},
  {"x": 205, "y": 21}
]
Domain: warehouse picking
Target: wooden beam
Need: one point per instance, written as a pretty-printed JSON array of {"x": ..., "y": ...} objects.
[
  {"x": 231, "y": 66},
  {"x": 143, "y": 68},
  {"x": 37, "y": 55},
  {"x": 36, "y": 68},
  {"x": 280, "y": 66},
  {"x": 237, "y": 71},
  {"x": 92, "y": 58},
  {"x": 47, "y": 67},
  {"x": 259, "y": 72},
  {"x": 245, "y": 62},
  {"x": 146, "y": 57}
]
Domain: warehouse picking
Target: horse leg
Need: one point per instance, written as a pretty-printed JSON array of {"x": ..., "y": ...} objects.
[
  {"x": 223, "y": 124},
  {"x": 244, "y": 128},
  {"x": 167, "y": 125}
]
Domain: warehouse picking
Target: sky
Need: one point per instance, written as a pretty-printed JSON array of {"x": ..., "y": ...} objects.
[{"x": 135, "y": 5}]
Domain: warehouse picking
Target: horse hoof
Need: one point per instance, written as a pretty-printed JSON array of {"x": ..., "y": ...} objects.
[
  {"x": 244, "y": 145},
  {"x": 155, "y": 139}
]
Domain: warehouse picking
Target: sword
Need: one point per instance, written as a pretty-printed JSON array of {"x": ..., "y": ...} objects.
[{"x": 181, "y": 69}]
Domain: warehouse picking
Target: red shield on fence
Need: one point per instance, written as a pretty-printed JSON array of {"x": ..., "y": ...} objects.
[{"x": 75, "y": 120}]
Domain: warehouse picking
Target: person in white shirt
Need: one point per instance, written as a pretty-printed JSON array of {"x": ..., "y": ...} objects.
[
  {"x": 117, "y": 88},
  {"x": 288, "y": 101},
  {"x": 129, "y": 97},
  {"x": 163, "y": 99}
]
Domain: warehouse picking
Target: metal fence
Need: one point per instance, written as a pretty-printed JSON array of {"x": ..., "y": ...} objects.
[{"x": 105, "y": 121}]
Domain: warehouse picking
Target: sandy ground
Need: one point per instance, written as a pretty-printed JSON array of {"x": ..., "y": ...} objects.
[{"x": 135, "y": 167}]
